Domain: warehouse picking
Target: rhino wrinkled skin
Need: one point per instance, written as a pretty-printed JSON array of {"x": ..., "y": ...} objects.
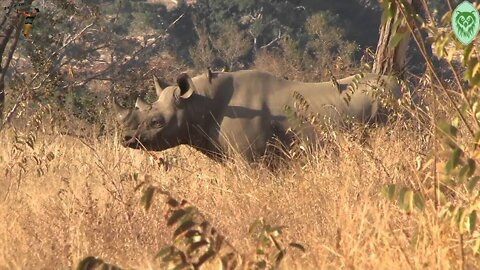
[{"x": 240, "y": 111}]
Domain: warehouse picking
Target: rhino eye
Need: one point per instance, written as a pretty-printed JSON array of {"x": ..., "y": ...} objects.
[{"x": 157, "y": 122}]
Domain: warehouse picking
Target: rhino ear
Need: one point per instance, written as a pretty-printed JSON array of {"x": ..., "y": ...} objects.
[
  {"x": 159, "y": 85},
  {"x": 186, "y": 86}
]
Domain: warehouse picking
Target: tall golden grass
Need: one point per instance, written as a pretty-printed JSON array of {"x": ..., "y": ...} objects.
[{"x": 83, "y": 202}]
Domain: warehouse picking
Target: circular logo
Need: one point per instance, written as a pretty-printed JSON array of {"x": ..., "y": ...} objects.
[{"x": 465, "y": 22}]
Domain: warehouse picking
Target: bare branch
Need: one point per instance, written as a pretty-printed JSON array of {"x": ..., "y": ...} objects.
[
  {"x": 174, "y": 22},
  {"x": 280, "y": 36},
  {"x": 70, "y": 40}
]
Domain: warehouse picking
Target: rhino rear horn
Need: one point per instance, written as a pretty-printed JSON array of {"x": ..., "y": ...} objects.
[
  {"x": 142, "y": 104},
  {"x": 186, "y": 85},
  {"x": 121, "y": 113}
]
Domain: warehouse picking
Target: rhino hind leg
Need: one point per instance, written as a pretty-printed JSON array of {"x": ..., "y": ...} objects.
[{"x": 276, "y": 153}]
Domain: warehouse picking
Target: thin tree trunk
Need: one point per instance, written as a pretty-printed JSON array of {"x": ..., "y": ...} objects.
[
  {"x": 12, "y": 48},
  {"x": 10, "y": 51},
  {"x": 12, "y": 21},
  {"x": 7, "y": 14},
  {"x": 391, "y": 60}
]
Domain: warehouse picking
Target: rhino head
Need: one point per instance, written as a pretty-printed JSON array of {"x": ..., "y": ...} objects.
[{"x": 162, "y": 124}]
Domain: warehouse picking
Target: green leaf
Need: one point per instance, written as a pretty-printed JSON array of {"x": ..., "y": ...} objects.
[
  {"x": 176, "y": 215},
  {"x": 275, "y": 242},
  {"x": 467, "y": 53},
  {"x": 183, "y": 228},
  {"x": 469, "y": 73},
  {"x": 472, "y": 183},
  {"x": 415, "y": 240},
  {"x": 255, "y": 226},
  {"x": 456, "y": 156},
  {"x": 261, "y": 264},
  {"x": 193, "y": 247},
  {"x": 297, "y": 246},
  {"x": 447, "y": 129},
  {"x": 92, "y": 263},
  {"x": 192, "y": 233},
  {"x": 137, "y": 187},
  {"x": 147, "y": 198},
  {"x": 442, "y": 199},
  {"x": 227, "y": 259},
  {"x": 476, "y": 247},
  {"x": 389, "y": 191},
  {"x": 472, "y": 221},
  {"x": 396, "y": 39},
  {"x": 457, "y": 217},
  {"x": 388, "y": 10},
  {"x": 444, "y": 212},
  {"x": 418, "y": 201},
  {"x": 172, "y": 256},
  {"x": 448, "y": 182},
  {"x": 467, "y": 170},
  {"x": 50, "y": 156},
  {"x": 89, "y": 263},
  {"x": 408, "y": 201},
  {"x": 164, "y": 252},
  {"x": 477, "y": 134},
  {"x": 467, "y": 220},
  {"x": 472, "y": 166},
  {"x": 462, "y": 174},
  {"x": 172, "y": 202},
  {"x": 205, "y": 226},
  {"x": 449, "y": 166},
  {"x": 401, "y": 198},
  {"x": 276, "y": 230},
  {"x": 279, "y": 257},
  {"x": 453, "y": 161},
  {"x": 181, "y": 266},
  {"x": 205, "y": 257}
]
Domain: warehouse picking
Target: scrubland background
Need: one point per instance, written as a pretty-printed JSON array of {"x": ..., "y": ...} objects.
[{"x": 69, "y": 190}]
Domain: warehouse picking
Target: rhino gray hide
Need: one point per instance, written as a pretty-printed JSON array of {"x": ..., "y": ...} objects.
[{"x": 240, "y": 111}]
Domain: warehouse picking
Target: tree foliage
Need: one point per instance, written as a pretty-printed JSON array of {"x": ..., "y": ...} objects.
[
  {"x": 452, "y": 192},
  {"x": 79, "y": 50}
]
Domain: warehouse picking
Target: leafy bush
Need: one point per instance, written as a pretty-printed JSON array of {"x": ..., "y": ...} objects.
[
  {"x": 452, "y": 192},
  {"x": 195, "y": 242}
]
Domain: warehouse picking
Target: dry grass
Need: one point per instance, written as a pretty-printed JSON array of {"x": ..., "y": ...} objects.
[{"x": 85, "y": 204}]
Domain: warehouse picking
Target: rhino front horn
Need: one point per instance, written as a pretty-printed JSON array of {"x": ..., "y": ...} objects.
[
  {"x": 142, "y": 105},
  {"x": 121, "y": 113},
  {"x": 158, "y": 87}
]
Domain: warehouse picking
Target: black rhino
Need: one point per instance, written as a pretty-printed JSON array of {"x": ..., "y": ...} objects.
[{"x": 241, "y": 111}]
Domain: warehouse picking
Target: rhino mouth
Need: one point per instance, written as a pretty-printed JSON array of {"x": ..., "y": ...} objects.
[
  {"x": 131, "y": 139},
  {"x": 136, "y": 142},
  {"x": 131, "y": 142}
]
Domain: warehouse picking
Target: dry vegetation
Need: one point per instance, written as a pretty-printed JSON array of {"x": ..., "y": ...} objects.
[{"x": 83, "y": 202}]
